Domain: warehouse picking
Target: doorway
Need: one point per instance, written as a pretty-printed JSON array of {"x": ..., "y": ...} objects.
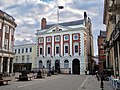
[
  {"x": 57, "y": 66},
  {"x": 76, "y": 66}
]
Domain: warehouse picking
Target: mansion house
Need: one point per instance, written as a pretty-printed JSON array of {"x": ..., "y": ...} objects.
[{"x": 65, "y": 46}]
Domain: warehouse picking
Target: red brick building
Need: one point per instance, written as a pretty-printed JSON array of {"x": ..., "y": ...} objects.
[{"x": 101, "y": 51}]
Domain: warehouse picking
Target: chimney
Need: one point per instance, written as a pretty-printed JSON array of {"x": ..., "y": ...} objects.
[
  {"x": 85, "y": 18},
  {"x": 43, "y": 23}
]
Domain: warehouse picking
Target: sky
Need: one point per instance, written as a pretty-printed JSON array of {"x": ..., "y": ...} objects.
[{"x": 28, "y": 15}]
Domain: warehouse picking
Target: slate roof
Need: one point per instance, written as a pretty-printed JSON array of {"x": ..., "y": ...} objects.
[{"x": 71, "y": 23}]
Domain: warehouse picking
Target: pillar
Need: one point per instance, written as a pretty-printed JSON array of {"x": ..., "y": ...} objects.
[
  {"x": 61, "y": 45},
  {"x": 71, "y": 44},
  {"x": 12, "y": 66},
  {"x": 44, "y": 47},
  {"x": 8, "y": 65},
  {"x": 52, "y": 45},
  {"x": 118, "y": 43},
  {"x": 1, "y": 65}
]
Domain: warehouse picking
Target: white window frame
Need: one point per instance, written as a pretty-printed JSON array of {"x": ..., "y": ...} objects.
[
  {"x": 47, "y": 49},
  {"x": 66, "y": 65},
  {"x": 75, "y": 36},
  {"x": 48, "y": 39},
  {"x": 42, "y": 51},
  {"x": 28, "y": 58},
  {"x": 6, "y": 44},
  {"x": 56, "y": 50},
  {"x": 40, "y": 64},
  {"x": 41, "y": 40},
  {"x": 16, "y": 58},
  {"x": 23, "y": 58},
  {"x": 12, "y": 31},
  {"x": 65, "y": 38},
  {"x": 75, "y": 49},
  {"x": 6, "y": 28},
  {"x": 57, "y": 38},
  {"x": 64, "y": 49}
]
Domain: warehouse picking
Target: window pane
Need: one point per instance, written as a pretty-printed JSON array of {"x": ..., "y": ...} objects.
[
  {"x": 76, "y": 37},
  {"x": 26, "y": 50},
  {"x": 28, "y": 58},
  {"x": 23, "y": 59},
  {"x": 66, "y": 64},
  {"x": 57, "y": 50},
  {"x": 48, "y": 39},
  {"x": 30, "y": 49},
  {"x": 15, "y": 51},
  {"x": 57, "y": 38},
  {"x": 76, "y": 48},
  {"x": 18, "y": 50},
  {"x": 40, "y": 50},
  {"x": 22, "y": 50},
  {"x": 65, "y": 37},
  {"x": 40, "y": 64},
  {"x": 41, "y": 40},
  {"x": 66, "y": 49},
  {"x": 48, "y": 50}
]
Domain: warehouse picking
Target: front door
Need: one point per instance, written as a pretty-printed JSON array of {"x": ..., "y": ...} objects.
[
  {"x": 76, "y": 66},
  {"x": 57, "y": 66}
]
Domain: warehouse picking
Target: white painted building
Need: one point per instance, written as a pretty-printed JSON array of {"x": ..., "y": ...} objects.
[
  {"x": 64, "y": 46},
  {"x": 25, "y": 57}
]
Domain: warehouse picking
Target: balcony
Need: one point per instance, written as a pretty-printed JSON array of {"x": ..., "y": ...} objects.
[{"x": 115, "y": 8}]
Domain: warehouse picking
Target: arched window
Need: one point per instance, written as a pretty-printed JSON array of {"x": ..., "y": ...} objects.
[
  {"x": 66, "y": 64},
  {"x": 40, "y": 64}
]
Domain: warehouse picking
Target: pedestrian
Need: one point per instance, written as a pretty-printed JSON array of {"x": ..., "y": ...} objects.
[{"x": 102, "y": 78}]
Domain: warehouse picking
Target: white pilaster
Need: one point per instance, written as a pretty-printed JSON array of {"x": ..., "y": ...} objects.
[
  {"x": 10, "y": 40},
  {"x": 61, "y": 45},
  {"x": 8, "y": 65},
  {"x": 12, "y": 66},
  {"x": 1, "y": 65},
  {"x": 71, "y": 44},
  {"x": 52, "y": 45},
  {"x": 44, "y": 45},
  {"x": 3, "y": 37},
  {"x": 118, "y": 43}
]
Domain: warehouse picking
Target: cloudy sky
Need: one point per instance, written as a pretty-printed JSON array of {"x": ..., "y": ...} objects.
[{"x": 28, "y": 14}]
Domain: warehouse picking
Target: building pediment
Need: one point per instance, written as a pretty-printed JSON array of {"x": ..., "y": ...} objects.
[{"x": 57, "y": 28}]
